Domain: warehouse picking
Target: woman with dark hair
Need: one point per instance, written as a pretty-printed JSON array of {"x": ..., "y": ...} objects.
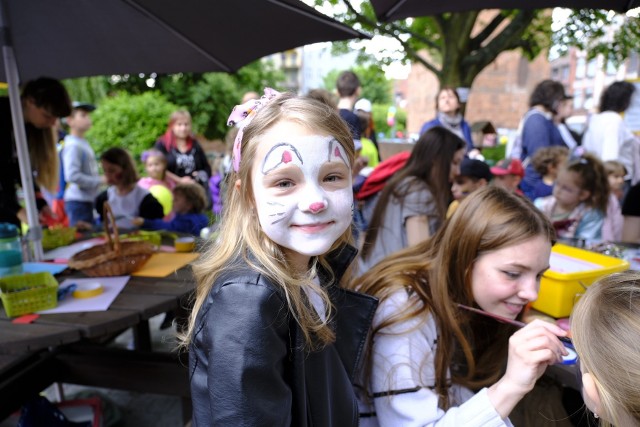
[
  {"x": 537, "y": 129},
  {"x": 448, "y": 116},
  {"x": 414, "y": 202},
  {"x": 44, "y": 100},
  {"x": 607, "y": 136}
]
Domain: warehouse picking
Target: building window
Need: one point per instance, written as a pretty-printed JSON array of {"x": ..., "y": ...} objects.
[
  {"x": 591, "y": 68},
  {"x": 580, "y": 68},
  {"x": 578, "y": 99}
]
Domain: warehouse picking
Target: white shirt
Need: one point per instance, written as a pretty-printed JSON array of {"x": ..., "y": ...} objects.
[
  {"x": 404, "y": 359},
  {"x": 609, "y": 139}
]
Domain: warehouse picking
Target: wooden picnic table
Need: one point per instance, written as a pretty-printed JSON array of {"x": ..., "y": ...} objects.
[{"x": 74, "y": 347}]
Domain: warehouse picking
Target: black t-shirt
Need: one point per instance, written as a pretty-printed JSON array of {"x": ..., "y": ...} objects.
[
  {"x": 631, "y": 205},
  {"x": 352, "y": 121},
  {"x": 10, "y": 171}
]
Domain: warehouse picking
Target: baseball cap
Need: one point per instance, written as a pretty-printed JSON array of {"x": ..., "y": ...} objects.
[
  {"x": 363, "y": 104},
  {"x": 77, "y": 105},
  {"x": 508, "y": 167},
  {"x": 475, "y": 168}
]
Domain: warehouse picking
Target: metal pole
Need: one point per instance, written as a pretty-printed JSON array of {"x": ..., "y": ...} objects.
[{"x": 20, "y": 136}]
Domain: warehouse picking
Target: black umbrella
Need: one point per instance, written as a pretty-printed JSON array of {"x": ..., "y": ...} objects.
[
  {"x": 391, "y": 10},
  {"x": 72, "y": 38}
]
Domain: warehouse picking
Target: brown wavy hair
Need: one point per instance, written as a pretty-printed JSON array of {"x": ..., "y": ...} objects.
[{"x": 437, "y": 275}]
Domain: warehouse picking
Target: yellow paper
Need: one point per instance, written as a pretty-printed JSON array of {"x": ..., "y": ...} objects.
[{"x": 162, "y": 264}]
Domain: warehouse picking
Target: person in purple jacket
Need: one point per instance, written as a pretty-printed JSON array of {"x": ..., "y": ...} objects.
[{"x": 538, "y": 130}]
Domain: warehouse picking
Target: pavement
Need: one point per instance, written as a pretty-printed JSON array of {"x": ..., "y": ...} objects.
[{"x": 123, "y": 408}]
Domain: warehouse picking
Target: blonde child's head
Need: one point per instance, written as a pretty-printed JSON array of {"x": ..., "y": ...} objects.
[
  {"x": 615, "y": 174},
  {"x": 118, "y": 167},
  {"x": 242, "y": 235},
  {"x": 582, "y": 180},
  {"x": 155, "y": 164},
  {"x": 605, "y": 325},
  {"x": 547, "y": 160},
  {"x": 189, "y": 198}
]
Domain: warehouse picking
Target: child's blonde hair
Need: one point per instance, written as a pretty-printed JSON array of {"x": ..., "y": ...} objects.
[
  {"x": 242, "y": 238},
  {"x": 605, "y": 325},
  {"x": 194, "y": 194},
  {"x": 615, "y": 167},
  {"x": 548, "y": 156},
  {"x": 593, "y": 178}
]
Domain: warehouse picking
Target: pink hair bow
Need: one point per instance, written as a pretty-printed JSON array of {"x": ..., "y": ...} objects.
[{"x": 241, "y": 116}]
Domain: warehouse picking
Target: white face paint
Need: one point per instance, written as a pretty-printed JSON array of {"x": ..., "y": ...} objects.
[{"x": 302, "y": 189}]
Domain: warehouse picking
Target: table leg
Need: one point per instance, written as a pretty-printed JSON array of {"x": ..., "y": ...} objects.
[{"x": 142, "y": 336}]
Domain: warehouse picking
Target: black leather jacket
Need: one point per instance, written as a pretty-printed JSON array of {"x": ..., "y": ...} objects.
[{"x": 248, "y": 364}]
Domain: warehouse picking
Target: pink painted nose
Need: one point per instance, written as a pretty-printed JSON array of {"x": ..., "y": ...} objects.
[{"x": 316, "y": 207}]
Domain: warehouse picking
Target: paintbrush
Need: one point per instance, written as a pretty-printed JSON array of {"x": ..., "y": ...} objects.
[{"x": 502, "y": 319}]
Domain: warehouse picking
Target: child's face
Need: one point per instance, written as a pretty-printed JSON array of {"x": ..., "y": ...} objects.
[
  {"x": 181, "y": 128},
  {"x": 302, "y": 190},
  {"x": 465, "y": 185},
  {"x": 616, "y": 181},
  {"x": 567, "y": 190},
  {"x": 155, "y": 167},
  {"x": 503, "y": 281},
  {"x": 180, "y": 204},
  {"x": 79, "y": 120},
  {"x": 112, "y": 172},
  {"x": 508, "y": 182}
]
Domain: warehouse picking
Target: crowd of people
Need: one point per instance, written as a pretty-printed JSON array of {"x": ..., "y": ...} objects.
[{"x": 344, "y": 289}]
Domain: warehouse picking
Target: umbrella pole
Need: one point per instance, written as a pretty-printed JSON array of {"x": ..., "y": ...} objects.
[{"x": 34, "y": 236}]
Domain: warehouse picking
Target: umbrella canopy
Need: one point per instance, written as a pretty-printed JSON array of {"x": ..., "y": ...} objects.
[
  {"x": 73, "y": 38},
  {"x": 391, "y": 10}
]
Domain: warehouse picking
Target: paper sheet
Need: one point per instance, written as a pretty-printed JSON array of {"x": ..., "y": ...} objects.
[
  {"x": 66, "y": 252},
  {"x": 112, "y": 287},
  {"x": 39, "y": 267},
  {"x": 566, "y": 264},
  {"x": 162, "y": 264}
]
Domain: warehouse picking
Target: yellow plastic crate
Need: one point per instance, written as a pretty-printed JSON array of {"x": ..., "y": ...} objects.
[
  {"x": 27, "y": 293},
  {"x": 572, "y": 270}
]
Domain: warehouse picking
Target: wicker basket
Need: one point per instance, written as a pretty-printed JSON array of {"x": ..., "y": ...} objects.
[{"x": 114, "y": 258}]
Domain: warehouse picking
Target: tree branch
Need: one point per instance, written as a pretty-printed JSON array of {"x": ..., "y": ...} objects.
[
  {"x": 477, "y": 41},
  {"x": 509, "y": 38}
]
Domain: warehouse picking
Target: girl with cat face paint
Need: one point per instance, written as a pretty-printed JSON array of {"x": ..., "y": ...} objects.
[{"x": 274, "y": 339}]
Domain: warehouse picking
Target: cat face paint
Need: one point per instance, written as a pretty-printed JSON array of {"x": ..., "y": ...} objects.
[{"x": 302, "y": 189}]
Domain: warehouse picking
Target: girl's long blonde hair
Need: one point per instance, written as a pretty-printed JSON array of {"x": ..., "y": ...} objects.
[
  {"x": 240, "y": 231},
  {"x": 605, "y": 325},
  {"x": 437, "y": 275}
]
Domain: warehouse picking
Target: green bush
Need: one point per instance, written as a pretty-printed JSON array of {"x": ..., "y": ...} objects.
[
  {"x": 380, "y": 120},
  {"x": 132, "y": 122}
]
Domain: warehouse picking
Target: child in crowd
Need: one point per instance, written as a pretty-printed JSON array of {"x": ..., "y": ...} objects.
[
  {"x": 508, "y": 174},
  {"x": 273, "y": 338},
  {"x": 413, "y": 203},
  {"x": 474, "y": 174},
  {"x": 434, "y": 363},
  {"x": 80, "y": 168},
  {"x": 615, "y": 174},
  {"x": 369, "y": 150},
  {"x": 579, "y": 201},
  {"x": 189, "y": 202},
  {"x": 157, "y": 181},
  {"x": 126, "y": 198},
  {"x": 605, "y": 325},
  {"x": 155, "y": 165},
  {"x": 614, "y": 221},
  {"x": 546, "y": 162}
]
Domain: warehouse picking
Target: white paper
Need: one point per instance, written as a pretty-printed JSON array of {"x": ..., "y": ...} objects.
[
  {"x": 66, "y": 252},
  {"x": 566, "y": 264},
  {"x": 112, "y": 287}
]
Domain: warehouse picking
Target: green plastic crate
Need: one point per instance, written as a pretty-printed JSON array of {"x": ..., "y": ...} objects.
[{"x": 27, "y": 293}]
